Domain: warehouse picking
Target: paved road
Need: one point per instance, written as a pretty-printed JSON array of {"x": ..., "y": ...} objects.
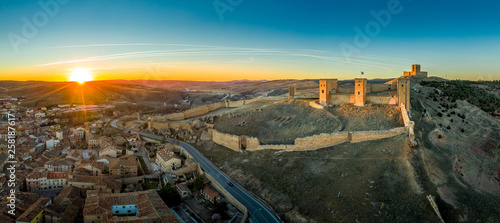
[
  {"x": 142, "y": 152},
  {"x": 256, "y": 210}
]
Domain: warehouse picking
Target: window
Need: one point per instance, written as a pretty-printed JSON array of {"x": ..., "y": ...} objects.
[
  {"x": 359, "y": 93},
  {"x": 322, "y": 91}
]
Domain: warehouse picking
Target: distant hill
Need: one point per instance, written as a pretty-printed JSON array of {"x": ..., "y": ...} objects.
[{"x": 39, "y": 93}]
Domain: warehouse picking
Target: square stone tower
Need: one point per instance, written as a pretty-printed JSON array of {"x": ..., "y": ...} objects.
[
  {"x": 360, "y": 85},
  {"x": 415, "y": 68},
  {"x": 325, "y": 89},
  {"x": 416, "y": 72},
  {"x": 291, "y": 91},
  {"x": 404, "y": 92}
]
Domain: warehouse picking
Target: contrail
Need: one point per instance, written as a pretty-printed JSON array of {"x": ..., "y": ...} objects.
[{"x": 208, "y": 50}]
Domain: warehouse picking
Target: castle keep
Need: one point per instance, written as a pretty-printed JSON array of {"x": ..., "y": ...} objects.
[{"x": 415, "y": 71}]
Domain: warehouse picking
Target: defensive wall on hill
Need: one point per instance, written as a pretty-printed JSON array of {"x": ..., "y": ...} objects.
[
  {"x": 171, "y": 125},
  {"x": 409, "y": 125},
  {"x": 164, "y": 122},
  {"x": 369, "y": 88},
  {"x": 239, "y": 143},
  {"x": 204, "y": 109},
  {"x": 349, "y": 98}
]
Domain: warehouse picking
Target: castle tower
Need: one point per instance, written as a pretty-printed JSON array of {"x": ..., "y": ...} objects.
[
  {"x": 325, "y": 88},
  {"x": 149, "y": 122},
  {"x": 404, "y": 92},
  {"x": 416, "y": 72},
  {"x": 360, "y": 85},
  {"x": 291, "y": 91},
  {"x": 415, "y": 68}
]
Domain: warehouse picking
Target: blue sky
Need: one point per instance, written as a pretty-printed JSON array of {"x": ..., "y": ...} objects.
[{"x": 175, "y": 39}]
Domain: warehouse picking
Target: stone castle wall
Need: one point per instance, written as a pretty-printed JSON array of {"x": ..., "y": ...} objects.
[
  {"x": 204, "y": 109},
  {"x": 273, "y": 147},
  {"x": 252, "y": 142},
  {"x": 372, "y": 99},
  {"x": 346, "y": 90},
  {"x": 316, "y": 105},
  {"x": 225, "y": 139},
  {"x": 341, "y": 98},
  {"x": 361, "y": 136},
  {"x": 409, "y": 125},
  {"x": 196, "y": 111},
  {"x": 321, "y": 140},
  {"x": 306, "y": 143},
  {"x": 381, "y": 99},
  {"x": 172, "y": 125},
  {"x": 378, "y": 87},
  {"x": 174, "y": 116},
  {"x": 404, "y": 113}
]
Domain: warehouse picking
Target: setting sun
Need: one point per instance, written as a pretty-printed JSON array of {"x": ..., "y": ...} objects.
[{"x": 80, "y": 75}]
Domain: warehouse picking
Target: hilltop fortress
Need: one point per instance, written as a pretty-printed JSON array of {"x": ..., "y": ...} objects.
[{"x": 395, "y": 92}]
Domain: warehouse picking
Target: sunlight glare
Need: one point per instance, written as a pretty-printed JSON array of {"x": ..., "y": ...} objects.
[{"x": 80, "y": 75}]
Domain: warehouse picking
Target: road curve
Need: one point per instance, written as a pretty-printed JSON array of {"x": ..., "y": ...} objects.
[{"x": 256, "y": 210}]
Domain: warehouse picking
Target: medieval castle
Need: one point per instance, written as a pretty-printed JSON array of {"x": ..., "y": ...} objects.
[{"x": 394, "y": 92}]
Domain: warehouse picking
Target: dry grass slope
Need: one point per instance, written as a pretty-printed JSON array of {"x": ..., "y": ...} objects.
[{"x": 368, "y": 181}]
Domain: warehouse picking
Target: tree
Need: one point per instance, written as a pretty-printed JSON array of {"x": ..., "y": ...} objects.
[
  {"x": 170, "y": 196},
  {"x": 220, "y": 208},
  {"x": 198, "y": 183}
]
